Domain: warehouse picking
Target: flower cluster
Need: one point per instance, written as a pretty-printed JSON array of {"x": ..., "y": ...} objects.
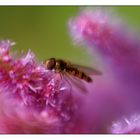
[
  {"x": 30, "y": 95},
  {"x": 117, "y": 51},
  {"x": 36, "y": 100},
  {"x": 127, "y": 125}
]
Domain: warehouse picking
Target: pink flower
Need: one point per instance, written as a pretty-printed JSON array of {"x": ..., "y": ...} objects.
[
  {"x": 127, "y": 125},
  {"x": 32, "y": 99},
  {"x": 117, "y": 52},
  {"x": 35, "y": 100}
]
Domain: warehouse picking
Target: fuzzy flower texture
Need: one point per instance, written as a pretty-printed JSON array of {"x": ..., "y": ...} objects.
[{"x": 35, "y": 100}]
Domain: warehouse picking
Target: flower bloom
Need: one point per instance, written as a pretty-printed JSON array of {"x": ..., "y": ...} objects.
[
  {"x": 117, "y": 51},
  {"x": 127, "y": 125},
  {"x": 32, "y": 99},
  {"x": 35, "y": 100}
]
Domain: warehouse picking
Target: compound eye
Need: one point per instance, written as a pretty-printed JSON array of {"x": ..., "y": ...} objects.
[{"x": 50, "y": 64}]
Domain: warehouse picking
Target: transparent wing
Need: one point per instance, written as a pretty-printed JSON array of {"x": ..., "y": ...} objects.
[
  {"x": 76, "y": 83},
  {"x": 72, "y": 82},
  {"x": 88, "y": 70}
]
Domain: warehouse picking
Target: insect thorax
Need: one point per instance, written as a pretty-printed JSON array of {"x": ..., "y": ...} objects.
[{"x": 60, "y": 65}]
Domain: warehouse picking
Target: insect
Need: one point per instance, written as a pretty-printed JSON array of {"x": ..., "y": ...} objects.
[{"x": 73, "y": 72}]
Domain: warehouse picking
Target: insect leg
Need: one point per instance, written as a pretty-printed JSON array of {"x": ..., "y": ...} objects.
[{"x": 63, "y": 77}]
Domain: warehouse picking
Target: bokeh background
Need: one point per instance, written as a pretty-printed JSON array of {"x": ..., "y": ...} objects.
[{"x": 44, "y": 29}]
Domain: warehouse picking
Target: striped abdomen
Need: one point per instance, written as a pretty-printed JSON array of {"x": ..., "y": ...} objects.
[{"x": 79, "y": 74}]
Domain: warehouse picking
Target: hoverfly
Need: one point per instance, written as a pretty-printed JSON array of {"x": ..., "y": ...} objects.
[{"x": 73, "y": 72}]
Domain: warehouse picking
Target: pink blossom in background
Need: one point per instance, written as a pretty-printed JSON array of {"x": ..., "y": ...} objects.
[
  {"x": 117, "y": 50},
  {"x": 129, "y": 125}
]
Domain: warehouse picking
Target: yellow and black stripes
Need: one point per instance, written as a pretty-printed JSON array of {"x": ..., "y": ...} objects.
[
  {"x": 79, "y": 74},
  {"x": 60, "y": 65}
]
